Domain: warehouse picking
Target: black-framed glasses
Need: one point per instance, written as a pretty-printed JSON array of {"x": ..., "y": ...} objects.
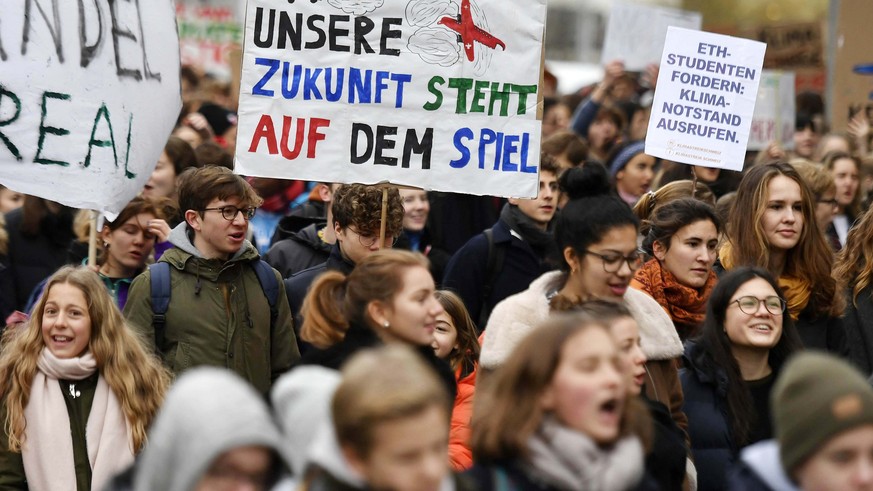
[
  {"x": 369, "y": 240},
  {"x": 612, "y": 262},
  {"x": 229, "y": 212},
  {"x": 830, "y": 202},
  {"x": 749, "y": 305}
]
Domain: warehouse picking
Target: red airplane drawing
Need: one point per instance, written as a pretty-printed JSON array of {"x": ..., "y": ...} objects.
[{"x": 469, "y": 32}]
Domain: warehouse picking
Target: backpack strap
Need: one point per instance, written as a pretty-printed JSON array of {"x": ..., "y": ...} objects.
[
  {"x": 496, "y": 255},
  {"x": 160, "y": 291},
  {"x": 270, "y": 286}
]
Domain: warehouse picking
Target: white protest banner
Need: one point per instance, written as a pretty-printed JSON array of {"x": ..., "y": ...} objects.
[
  {"x": 207, "y": 35},
  {"x": 434, "y": 94},
  {"x": 89, "y": 92},
  {"x": 705, "y": 98},
  {"x": 635, "y": 33},
  {"x": 774, "y": 111}
]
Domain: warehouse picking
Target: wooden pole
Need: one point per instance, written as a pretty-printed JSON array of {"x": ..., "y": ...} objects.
[
  {"x": 92, "y": 241},
  {"x": 693, "y": 182},
  {"x": 384, "y": 220}
]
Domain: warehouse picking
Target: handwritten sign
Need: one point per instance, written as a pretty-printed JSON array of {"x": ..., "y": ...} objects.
[
  {"x": 89, "y": 92},
  {"x": 705, "y": 98},
  {"x": 635, "y": 33},
  {"x": 207, "y": 34},
  {"x": 773, "y": 120},
  {"x": 433, "y": 94}
]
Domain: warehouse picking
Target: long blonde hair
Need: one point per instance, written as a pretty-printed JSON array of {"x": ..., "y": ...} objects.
[
  {"x": 135, "y": 376},
  {"x": 854, "y": 265}
]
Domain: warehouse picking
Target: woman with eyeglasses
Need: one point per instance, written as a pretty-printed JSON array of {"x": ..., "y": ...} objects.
[
  {"x": 772, "y": 226},
  {"x": 731, "y": 367},
  {"x": 597, "y": 236},
  {"x": 682, "y": 239}
]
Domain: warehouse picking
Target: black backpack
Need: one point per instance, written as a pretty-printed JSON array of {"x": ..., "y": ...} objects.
[{"x": 160, "y": 278}]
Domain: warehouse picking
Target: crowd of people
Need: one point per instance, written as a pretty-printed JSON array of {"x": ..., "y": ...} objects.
[{"x": 639, "y": 325}]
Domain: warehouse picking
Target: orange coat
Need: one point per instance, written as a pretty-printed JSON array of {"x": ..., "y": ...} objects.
[{"x": 460, "y": 455}]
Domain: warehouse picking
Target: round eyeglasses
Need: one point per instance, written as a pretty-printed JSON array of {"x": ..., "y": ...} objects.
[
  {"x": 612, "y": 262},
  {"x": 229, "y": 212},
  {"x": 368, "y": 240},
  {"x": 749, "y": 305}
]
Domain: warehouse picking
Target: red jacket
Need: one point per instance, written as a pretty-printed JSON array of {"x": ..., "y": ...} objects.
[{"x": 460, "y": 455}]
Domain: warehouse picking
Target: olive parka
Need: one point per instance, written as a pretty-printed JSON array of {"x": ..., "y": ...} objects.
[{"x": 218, "y": 315}]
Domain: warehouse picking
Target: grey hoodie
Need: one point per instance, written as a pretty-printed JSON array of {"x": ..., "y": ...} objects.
[{"x": 207, "y": 412}]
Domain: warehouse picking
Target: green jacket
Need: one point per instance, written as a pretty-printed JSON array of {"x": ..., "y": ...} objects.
[
  {"x": 12, "y": 476},
  {"x": 218, "y": 315}
]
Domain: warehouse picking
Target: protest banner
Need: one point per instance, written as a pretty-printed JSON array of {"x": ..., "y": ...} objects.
[
  {"x": 433, "y": 94},
  {"x": 207, "y": 35},
  {"x": 705, "y": 98},
  {"x": 635, "y": 33},
  {"x": 773, "y": 120},
  {"x": 89, "y": 92}
]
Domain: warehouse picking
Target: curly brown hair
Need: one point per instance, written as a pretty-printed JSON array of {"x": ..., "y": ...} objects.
[{"x": 361, "y": 205}]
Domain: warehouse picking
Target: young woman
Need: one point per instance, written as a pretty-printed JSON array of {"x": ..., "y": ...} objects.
[
  {"x": 770, "y": 228},
  {"x": 668, "y": 459},
  {"x": 391, "y": 419},
  {"x": 176, "y": 157},
  {"x": 651, "y": 201},
  {"x": 388, "y": 298},
  {"x": 455, "y": 341},
  {"x": 125, "y": 246},
  {"x": 731, "y": 368},
  {"x": 846, "y": 171},
  {"x": 597, "y": 236},
  {"x": 558, "y": 415},
  {"x": 632, "y": 170},
  {"x": 416, "y": 235},
  {"x": 681, "y": 237},
  {"x": 854, "y": 269},
  {"x": 74, "y": 369}
]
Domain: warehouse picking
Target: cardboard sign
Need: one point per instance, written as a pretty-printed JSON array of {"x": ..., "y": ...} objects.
[
  {"x": 705, "y": 99},
  {"x": 438, "y": 95},
  {"x": 774, "y": 111},
  {"x": 635, "y": 33},
  {"x": 207, "y": 35},
  {"x": 89, "y": 92},
  {"x": 850, "y": 76}
]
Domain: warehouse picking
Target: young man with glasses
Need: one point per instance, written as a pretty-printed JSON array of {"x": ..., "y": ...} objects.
[
  {"x": 505, "y": 259},
  {"x": 357, "y": 219},
  {"x": 220, "y": 312}
]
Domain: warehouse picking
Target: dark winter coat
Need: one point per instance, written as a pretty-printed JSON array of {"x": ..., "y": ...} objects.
[
  {"x": 467, "y": 271},
  {"x": 438, "y": 258},
  {"x": 298, "y": 285},
  {"x": 712, "y": 445},
  {"x": 456, "y": 218},
  {"x": 29, "y": 261},
  {"x": 822, "y": 332},
  {"x": 859, "y": 332},
  {"x": 218, "y": 315},
  {"x": 666, "y": 461},
  {"x": 302, "y": 250}
]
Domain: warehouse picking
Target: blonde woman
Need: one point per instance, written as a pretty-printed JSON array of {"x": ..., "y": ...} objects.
[{"x": 74, "y": 369}]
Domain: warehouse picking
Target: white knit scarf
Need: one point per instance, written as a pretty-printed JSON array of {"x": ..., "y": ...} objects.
[
  {"x": 48, "y": 448},
  {"x": 570, "y": 460}
]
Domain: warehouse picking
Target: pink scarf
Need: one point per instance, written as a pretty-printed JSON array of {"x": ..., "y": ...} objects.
[{"x": 47, "y": 455}]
